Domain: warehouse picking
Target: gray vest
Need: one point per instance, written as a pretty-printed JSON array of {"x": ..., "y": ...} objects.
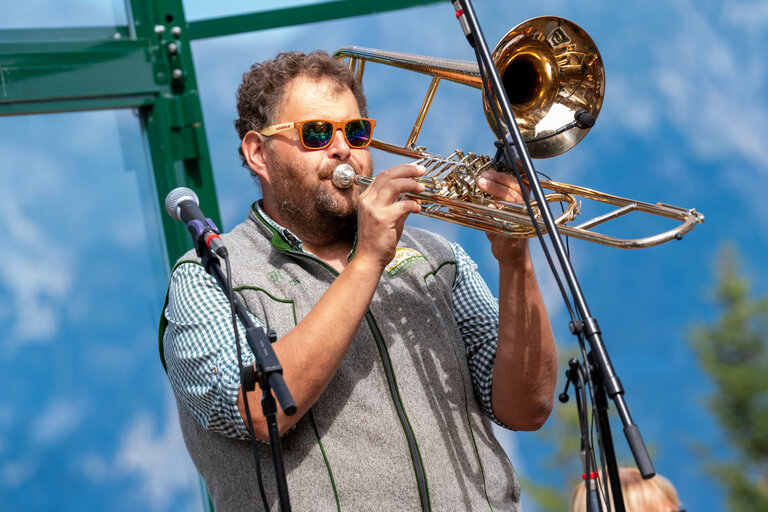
[{"x": 398, "y": 427}]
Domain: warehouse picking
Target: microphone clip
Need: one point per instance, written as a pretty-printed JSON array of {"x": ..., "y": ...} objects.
[{"x": 205, "y": 236}]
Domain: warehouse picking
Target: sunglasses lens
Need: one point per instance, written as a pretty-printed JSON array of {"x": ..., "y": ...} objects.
[
  {"x": 358, "y": 132},
  {"x": 316, "y": 134}
]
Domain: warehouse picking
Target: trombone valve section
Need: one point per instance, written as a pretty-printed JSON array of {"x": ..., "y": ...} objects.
[{"x": 452, "y": 194}]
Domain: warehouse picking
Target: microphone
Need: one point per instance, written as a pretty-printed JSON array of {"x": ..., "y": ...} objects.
[
  {"x": 182, "y": 204},
  {"x": 584, "y": 119},
  {"x": 581, "y": 119}
]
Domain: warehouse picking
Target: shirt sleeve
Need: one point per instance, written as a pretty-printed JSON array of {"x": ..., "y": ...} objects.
[
  {"x": 200, "y": 351},
  {"x": 477, "y": 314}
]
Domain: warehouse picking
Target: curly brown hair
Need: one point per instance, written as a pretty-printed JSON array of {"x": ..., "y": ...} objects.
[{"x": 261, "y": 91}]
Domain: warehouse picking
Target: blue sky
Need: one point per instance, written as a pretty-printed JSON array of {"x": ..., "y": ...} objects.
[{"x": 683, "y": 122}]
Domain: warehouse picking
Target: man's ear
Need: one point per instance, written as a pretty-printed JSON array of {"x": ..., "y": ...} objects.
[{"x": 253, "y": 146}]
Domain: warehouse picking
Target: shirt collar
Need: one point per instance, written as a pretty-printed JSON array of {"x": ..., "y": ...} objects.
[{"x": 285, "y": 233}]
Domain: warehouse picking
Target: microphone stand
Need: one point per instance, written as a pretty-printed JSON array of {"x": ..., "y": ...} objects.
[
  {"x": 580, "y": 375},
  {"x": 268, "y": 373},
  {"x": 586, "y": 325}
]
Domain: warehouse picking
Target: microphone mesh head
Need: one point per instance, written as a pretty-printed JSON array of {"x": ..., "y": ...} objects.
[{"x": 176, "y": 196}]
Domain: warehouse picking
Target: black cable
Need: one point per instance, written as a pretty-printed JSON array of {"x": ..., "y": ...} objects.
[
  {"x": 585, "y": 382},
  {"x": 595, "y": 426},
  {"x": 249, "y": 420},
  {"x": 562, "y": 210}
]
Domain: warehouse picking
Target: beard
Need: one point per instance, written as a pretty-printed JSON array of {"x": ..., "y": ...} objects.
[{"x": 310, "y": 205}]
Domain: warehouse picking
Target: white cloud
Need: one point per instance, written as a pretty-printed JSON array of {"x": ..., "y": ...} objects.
[
  {"x": 156, "y": 462},
  {"x": 712, "y": 90},
  {"x": 751, "y": 16},
  {"x": 60, "y": 416},
  {"x": 158, "y": 459},
  {"x": 706, "y": 78},
  {"x": 15, "y": 473},
  {"x": 37, "y": 270},
  {"x": 63, "y": 205}
]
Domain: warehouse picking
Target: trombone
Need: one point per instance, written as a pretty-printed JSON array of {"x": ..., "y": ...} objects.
[{"x": 554, "y": 78}]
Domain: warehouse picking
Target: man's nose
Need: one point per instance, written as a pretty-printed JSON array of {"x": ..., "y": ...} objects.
[{"x": 339, "y": 146}]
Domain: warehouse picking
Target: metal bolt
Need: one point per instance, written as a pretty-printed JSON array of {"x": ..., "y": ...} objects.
[
  {"x": 176, "y": 31},
  {"x": 159, "y": 29},
  {"x": 177, "y": 74},
  {"x": 173, "y": 48}
]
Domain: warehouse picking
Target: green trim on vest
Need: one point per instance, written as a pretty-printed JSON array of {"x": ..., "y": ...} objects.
[
  {"x": 395, "y": 390},
  {"x": 434, "y": 272},
  {"x": 265, "y": 292},
  {"x": 311, "y": 416},
  {"x": 161, "y": 333},
  {"x": 277, "y": 240}
]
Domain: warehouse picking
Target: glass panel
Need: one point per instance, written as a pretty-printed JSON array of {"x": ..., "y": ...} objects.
[
  {"x": 87, "y": 418},
  {"x": 203, "y": 9},
  {"x": 63, "y": 13}
]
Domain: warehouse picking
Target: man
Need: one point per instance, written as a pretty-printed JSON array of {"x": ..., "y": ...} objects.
[{"x": 383, "y": 332}]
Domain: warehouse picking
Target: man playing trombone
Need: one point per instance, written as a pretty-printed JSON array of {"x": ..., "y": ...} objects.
[{"x": 395, "y": 351}]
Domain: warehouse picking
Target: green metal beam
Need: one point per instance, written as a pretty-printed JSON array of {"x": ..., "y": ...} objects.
[
  {"x": 45, "y": 76},
  {"x": 90, "y": 34},
  {"x": 76, "y": 104},
  {"x": 174, "y": 123},
  {"x": 236, "y": 24}
]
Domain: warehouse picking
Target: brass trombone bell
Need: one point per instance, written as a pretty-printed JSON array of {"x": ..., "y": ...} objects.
[{"x": 551, "y": 69}]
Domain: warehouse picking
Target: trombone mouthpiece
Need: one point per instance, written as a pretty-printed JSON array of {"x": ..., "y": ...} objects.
[{"x": 343, "y": 176}]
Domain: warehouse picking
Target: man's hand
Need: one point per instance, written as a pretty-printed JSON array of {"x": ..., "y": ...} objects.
[
  {"x": 504, "y": 187},
  {"x": 382, "y": 212}
]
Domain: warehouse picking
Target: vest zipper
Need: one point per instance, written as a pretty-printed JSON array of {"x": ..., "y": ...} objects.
[{"x": 418, "y": 464}]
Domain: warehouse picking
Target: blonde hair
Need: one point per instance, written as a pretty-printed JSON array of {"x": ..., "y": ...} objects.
[{"x": 656, "y": 494}]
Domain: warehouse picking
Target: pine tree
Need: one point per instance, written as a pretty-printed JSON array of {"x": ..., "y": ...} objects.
[{"x": 733, "y": 350}]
